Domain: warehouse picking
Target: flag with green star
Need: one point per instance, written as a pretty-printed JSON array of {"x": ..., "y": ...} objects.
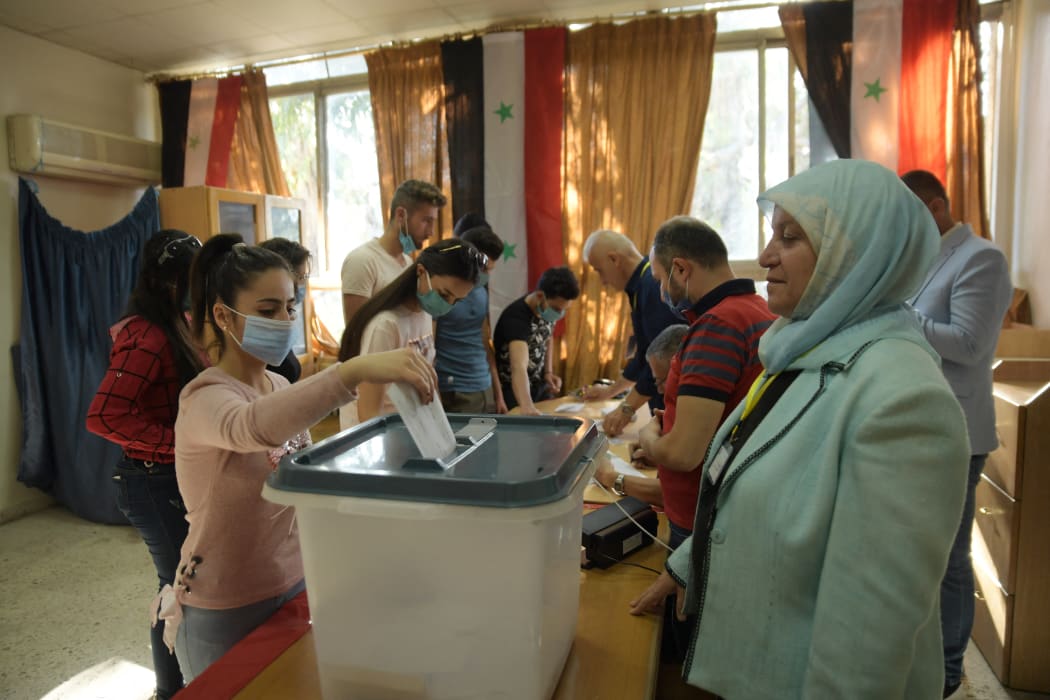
[{"x": 899, "y": 76}]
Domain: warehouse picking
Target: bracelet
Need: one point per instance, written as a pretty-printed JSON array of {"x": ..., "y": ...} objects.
[{"x": 625, "y": 408}]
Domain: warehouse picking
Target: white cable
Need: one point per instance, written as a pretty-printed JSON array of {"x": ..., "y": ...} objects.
[{"x": 629, "y": 517}]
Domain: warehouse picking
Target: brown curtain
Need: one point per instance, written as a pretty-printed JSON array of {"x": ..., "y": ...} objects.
[
  {"x": 965, "y": 134},
  {"x": 820, "y": 38},
  {"x": 255, "y": 164},
  {"x": 408, "y": 108},
  {"x": 635, "y": 99}
]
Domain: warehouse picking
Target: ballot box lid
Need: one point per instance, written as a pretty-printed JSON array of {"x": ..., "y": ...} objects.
[{"x": 522, "y": 461}]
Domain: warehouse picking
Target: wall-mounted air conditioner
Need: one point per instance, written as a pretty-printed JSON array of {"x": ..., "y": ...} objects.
[{"x": 43, "y": 147}]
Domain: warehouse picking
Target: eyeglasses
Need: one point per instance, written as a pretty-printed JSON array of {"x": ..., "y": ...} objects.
[{"x": 189, "y": 244}]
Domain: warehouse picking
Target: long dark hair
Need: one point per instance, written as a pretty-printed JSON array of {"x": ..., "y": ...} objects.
[
  {"x": 159, "y": 293},
  {"x": 453, "y": 257},
  {"x": 224, "y": 266}
]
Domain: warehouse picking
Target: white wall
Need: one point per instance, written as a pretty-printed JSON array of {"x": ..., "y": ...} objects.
[
  {"x": 42, "y": 78},
  {"x": 1025, "y": 150}
]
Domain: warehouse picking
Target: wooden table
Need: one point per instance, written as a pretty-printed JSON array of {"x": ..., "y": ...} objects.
[
  {"x": 614, "y": 655},
  {"x": 619, "y": 446}
]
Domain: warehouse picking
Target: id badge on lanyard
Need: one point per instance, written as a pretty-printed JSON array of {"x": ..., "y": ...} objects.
[{"x": 718, "y": 464}]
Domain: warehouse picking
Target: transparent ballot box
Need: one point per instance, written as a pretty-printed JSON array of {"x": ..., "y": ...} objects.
[{"x": 442, "y": 578}]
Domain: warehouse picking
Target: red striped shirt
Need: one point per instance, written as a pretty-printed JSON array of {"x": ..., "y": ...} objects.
[{"x": 718, "y": 360}]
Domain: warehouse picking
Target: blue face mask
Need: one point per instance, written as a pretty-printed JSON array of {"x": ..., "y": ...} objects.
[
  {"x": 432, "y": 302},
  {"x": 408, "y": 246},
  {"x": 483, "y": 278},
  {"x": 550, "y": 314},
  {"x": 682, "y": 307},
  {"x": 267, "y": 339},
  {"x": 300, "y": 294}
]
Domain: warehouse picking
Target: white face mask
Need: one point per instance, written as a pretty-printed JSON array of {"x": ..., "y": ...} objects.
[{"x": 267, "y": 339}]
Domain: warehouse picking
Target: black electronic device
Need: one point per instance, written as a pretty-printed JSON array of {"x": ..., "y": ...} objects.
[{"x": 609, "y": 536}]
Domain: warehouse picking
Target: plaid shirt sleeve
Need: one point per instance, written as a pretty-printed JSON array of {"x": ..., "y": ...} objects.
[{"x": 137, "y": 402}]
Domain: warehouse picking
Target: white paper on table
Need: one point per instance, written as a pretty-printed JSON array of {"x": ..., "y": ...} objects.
[
  {"x": 427, "y": 423},
  {"x": 623, "y": 467},
  {"x": 569, "y": 408}
]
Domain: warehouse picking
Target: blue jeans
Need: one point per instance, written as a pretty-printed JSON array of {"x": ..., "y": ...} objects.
[
  {"x": 957, "y": 588},
  {"x": 205, "y": 635},
  {"x": 148, "y": 495}
]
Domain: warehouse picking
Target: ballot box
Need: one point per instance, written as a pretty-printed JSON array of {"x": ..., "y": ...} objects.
[{"x": 442, "y": 578}]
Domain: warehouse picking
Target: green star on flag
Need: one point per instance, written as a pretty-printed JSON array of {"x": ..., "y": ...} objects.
[
  {"x": 508, "y": 251},
  {"x": 504, "y": 111},
  {"x": 874, "y": 89},
  {"x": 194, "y": 142}
]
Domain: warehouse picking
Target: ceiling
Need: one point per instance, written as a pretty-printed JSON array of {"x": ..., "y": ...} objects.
[{"x": 188, "y": 35}]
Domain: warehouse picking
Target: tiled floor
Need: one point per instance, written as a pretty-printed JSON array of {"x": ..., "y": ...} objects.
[{"x": 73, "y": 620}]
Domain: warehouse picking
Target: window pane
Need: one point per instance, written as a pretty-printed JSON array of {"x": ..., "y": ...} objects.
[
  {"x": 352, "y": 202},
  {"x": 348, "y": 65},
  {"x": 295, "y": 128},
  {"x": 296, "y": 73},
  {"x": 801, "y": 126},
  {"x": 742, "y": 20},
  {"x": 727, "y": 179},
  {"x": 777, "y": 127}
]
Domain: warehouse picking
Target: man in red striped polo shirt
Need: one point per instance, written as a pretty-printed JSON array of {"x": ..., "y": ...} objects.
[{"x": 714, "y": 368}]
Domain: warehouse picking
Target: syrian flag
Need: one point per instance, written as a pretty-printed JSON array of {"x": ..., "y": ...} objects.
[
  {"x": 198, "y": 120},
  {"x": 877, "y": 72},
  {"x": 899, "y": 91},
  {"x": 504, "y": 101}
]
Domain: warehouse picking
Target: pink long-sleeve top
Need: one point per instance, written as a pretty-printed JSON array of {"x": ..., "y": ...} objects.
[{"x": 228, "y": 438}]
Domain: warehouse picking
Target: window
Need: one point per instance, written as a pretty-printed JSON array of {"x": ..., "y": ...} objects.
[
  {"x": 338, "y": 174},
  {"x": 756, "y": 134}
]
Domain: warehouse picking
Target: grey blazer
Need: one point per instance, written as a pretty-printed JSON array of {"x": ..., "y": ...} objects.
[{"x": 960, "y": 308}]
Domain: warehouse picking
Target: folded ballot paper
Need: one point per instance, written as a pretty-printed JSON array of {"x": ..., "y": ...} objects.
[{"x": 427, "y": 423}]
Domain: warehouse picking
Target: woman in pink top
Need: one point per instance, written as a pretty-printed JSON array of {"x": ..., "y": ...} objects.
[
  {"x": 240, "y": 561},
  {"x": 402, "y": 315}
]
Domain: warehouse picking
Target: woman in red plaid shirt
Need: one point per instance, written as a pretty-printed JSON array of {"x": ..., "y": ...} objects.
[{"x": 135, "y": 407}]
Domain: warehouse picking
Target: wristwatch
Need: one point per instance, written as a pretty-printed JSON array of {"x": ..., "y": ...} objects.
[
  {"x": 617, "y": 486},
  {"x": 626, "y": 409}
]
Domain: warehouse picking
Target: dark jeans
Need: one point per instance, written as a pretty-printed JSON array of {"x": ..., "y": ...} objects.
[
  {"x": 538, "y": 391},
  {"x": 677, "y": 635},
  {"x": 957, "y": 586},
  {"x": 148, "y": 495}
]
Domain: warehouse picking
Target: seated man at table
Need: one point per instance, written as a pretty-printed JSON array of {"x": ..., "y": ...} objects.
[
  {"x": 660, "y": 354},
  {"x": 523, "y": 338}
]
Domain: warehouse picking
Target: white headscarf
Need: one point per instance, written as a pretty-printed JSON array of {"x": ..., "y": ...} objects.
[{"x": 874, "y": 239}]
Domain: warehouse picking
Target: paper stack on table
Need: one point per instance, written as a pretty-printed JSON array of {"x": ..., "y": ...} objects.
[{"x": 427, "y": 423}]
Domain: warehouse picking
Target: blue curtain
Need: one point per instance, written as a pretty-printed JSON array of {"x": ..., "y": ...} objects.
[{"x": 75, "y": 285}]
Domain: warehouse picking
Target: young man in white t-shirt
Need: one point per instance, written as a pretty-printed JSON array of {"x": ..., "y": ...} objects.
[{"x": 372, "y": 266}]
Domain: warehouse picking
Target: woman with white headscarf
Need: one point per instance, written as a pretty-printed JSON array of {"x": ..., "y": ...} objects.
[{"x": 832, "y": 494}]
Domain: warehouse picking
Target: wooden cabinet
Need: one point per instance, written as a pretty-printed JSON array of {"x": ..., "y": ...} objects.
[
  {"x": 207, "y": 211},
  {"x": 1011, "y": 532}
]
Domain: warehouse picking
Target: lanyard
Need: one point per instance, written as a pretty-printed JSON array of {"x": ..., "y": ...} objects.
[{"x": 634, "y": 299}]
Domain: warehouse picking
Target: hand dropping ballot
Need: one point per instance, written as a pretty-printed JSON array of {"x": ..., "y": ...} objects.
[{"x": 427, "y": 423}]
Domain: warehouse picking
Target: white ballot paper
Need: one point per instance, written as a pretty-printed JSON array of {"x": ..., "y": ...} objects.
[
  {"x": 623, "y": 467},
  {"x": 569, "y": 408},
  {"x": 427, "y": 423}
]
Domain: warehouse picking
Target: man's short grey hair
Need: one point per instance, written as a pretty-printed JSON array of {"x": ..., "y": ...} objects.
[
  {"x": 666, "y": 344},
  {"x": 614, "y": 240}
]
